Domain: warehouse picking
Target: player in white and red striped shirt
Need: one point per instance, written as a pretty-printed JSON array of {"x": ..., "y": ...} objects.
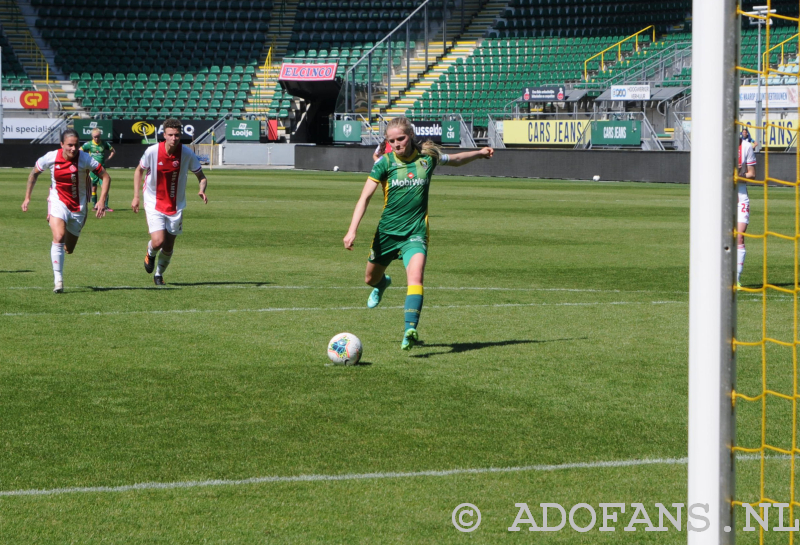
[
  {"x": 67, "y": 203},
  {"x": 747, "y": 169},
  {"x": 166, "y": 166}
]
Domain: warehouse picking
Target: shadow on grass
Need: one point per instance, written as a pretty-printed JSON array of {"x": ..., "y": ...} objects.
[
  {"x": 359, "y": 364},
  {"x": 127, "y": 288},
  {"x": 457, "y": 348},
  {"x": 188, "y": 284},
  {"x": 13, "y": 272}
]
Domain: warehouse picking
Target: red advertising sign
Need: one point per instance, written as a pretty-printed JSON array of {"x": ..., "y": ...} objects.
[
  {"x": 35, "y": 100},
  {"x": 308, "y": 72},
  {"x": 25, "y": 100}
]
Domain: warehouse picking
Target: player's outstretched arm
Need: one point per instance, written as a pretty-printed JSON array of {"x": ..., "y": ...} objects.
[
  {"x": 29, "y": 190},
  {"x": 460, "y": 159},
  {"x": 137, "y": 183},
  {"x": 101, "y": 210},
  {"x": 358, "y": 213},
  {"x": 203, "y": 184}
]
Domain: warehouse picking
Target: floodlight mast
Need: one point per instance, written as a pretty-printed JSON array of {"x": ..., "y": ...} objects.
[{"x": 712, "y": 316}]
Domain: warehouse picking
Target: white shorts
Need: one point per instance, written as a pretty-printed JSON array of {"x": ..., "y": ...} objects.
[
  {"x": 158, "y": 221},
  {"x": 743, "y": 212},
  {"x": 74, "y": 220},
  {"x": 743, "y": 206}
]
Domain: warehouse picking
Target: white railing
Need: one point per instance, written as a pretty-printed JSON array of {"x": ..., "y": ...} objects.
[{"x": 494, "y": 136}]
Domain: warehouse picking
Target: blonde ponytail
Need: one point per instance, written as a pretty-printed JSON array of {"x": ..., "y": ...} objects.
[{"x": 431, "y": 150}]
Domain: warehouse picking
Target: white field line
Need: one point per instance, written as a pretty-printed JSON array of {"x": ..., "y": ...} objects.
[
  {"x": 320, "y": 309},
  {"x": 355, "y": 476},
  {"x": 363, "y": 287}
]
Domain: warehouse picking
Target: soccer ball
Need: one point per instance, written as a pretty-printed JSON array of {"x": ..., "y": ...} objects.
[
  {"x": 345, "y": 349},
  {"x": 596, "y": 178},
  {"x": 336, "y": 169}
]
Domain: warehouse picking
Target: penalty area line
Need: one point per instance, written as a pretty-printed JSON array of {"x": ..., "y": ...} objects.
[
  {"x": 324, "y": 309},
  {"x": 358, "y": 476},
  {"x": 343, "y": 477},
  {"x": 322, "y": 288}
]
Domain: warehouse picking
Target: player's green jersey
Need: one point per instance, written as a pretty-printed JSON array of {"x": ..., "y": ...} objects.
[
  {"x": 98, "y": 152},
  {"x": 405, "y": 192}
]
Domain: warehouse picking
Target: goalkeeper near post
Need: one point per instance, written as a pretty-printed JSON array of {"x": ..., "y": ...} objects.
[
  {"x": 102, "y": 152},
  {"x": 405, "y": 176}
]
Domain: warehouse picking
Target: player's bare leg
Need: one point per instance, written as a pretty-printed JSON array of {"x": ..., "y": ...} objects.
[
  {"x": 376, "y": 277},
  {"x": 63, "y": 243},
  {"x": 415, "y": 273},
  {"x": 741, "y": 252},
  {"x": 162, "y": 243}
]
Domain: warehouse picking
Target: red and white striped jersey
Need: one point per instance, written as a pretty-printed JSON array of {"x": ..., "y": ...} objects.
[
  {"x": 165, "y": 177},
  {"x": 69, "y": 179}
]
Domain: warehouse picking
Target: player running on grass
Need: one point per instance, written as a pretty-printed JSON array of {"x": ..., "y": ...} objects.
[
  {"x": 102, "y": 152},
  {"x": 405, "y": 176},
  {"x": 66, "y": 205},
  {"x": 166, "y": 166}
]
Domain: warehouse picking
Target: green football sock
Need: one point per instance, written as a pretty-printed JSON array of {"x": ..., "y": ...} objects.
[{"x": 413, "y": 306}]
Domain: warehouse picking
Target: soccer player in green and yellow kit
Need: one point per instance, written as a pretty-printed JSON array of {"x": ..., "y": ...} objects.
[
  {"x": 405, "y": 176},
  {"x": 102, "y": 152}
]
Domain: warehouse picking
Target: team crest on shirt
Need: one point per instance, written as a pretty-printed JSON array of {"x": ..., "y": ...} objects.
[
  {"x": 424, "y": 163},
  {"x": 73, "y": 168},
  {"x": 175, "y": 163}
]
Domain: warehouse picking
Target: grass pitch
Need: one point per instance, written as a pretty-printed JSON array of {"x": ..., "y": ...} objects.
[{"x": 554, "y": 328}]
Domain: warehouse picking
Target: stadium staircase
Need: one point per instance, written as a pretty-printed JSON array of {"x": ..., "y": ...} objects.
[
  {"x": 24, "y": 45},
  {"x": 265, "y": 83},
  {"x": 463, "y": 47},
  {"x": 14, "y": 76}
]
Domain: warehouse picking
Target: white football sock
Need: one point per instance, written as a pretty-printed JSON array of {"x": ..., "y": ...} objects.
[
  {"x": 150, "y": 251},
  {"x": 57, "y": 258},
  {"x": 740, "y": 253},
  {"x": 163, "y": 262}
]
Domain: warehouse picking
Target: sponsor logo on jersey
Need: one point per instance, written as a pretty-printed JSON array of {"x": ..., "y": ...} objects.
[
  {"x": 410, "y": 182},
  {"x": 410, "y": 174}
]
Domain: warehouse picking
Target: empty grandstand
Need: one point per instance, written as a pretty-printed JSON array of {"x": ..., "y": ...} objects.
[{"x": 467, "y": 59}]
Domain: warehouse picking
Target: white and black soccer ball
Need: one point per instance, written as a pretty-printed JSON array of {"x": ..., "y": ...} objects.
[
  {"x": 596, "y": 178},
  {"x": 345, "y": 349},
  {"x": 336, "y": 169}
]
